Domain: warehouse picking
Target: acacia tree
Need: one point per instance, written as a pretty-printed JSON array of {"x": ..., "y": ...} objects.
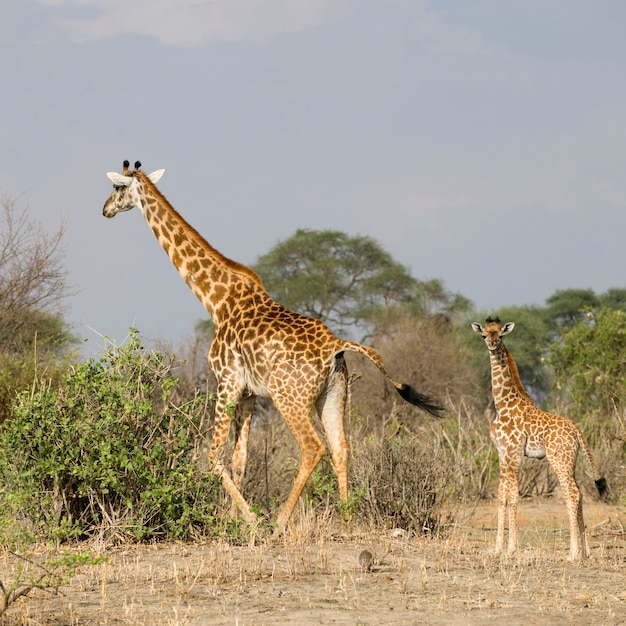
[
  {"x": 333, "y": 277},
  {"x": 348, "y": 282},
  {"x": 565, "y": 307},
  {"x": 614, "y": 298}
]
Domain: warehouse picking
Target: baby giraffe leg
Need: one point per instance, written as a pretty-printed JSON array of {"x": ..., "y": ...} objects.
[
  {"x": 574, "y": 503},
  {"x": 508, "y": 496}
]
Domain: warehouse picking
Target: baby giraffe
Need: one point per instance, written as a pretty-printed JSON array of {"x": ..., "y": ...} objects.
[{"x": 521, "y": 428}]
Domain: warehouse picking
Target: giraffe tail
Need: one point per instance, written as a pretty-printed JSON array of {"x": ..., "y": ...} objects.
[
  {"x": 407, "y": 392},
  {"x": 420, "y": 400},
  {"x": 602, "y": 487},
  {"x": 600, "y": 481}
]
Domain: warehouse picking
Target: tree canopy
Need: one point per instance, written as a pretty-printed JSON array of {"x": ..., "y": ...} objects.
[
  {"x": 348, "y": 281},
  {"x": 566, "y": 306}
]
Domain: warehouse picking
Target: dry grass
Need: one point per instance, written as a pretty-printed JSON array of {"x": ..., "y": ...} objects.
[{"x": 312, "y": 576}]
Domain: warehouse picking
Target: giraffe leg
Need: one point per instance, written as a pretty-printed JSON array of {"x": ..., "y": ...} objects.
[
  {"x": 508, "y": 496},
  {"x": 584, "y": 542},
  {"x": 577, "y": 545},
  {"x": 513, "y": 499},
  {"x": 574, "y": 504},
  {"x": 216, "y": 457},
  {"x": 312, "y": 450},
  {"x": 501, "y": 515},
  {"x": 243, "y": 419},
  {"x": 331, "y": 407}
]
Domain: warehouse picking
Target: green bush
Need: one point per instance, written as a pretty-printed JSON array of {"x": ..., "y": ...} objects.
[
  {"x": 18, "y": 371},
  {"x": 589, "y": 364},
  {"x": 107, "y": 453}
]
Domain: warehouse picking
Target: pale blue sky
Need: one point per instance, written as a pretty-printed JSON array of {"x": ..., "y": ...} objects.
[{"x": 480, "y": 142}]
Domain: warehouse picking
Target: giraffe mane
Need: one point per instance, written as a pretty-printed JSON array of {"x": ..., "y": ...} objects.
[
  {"x": 235, "y": 266},
  {"x": 515, "y": 375}
]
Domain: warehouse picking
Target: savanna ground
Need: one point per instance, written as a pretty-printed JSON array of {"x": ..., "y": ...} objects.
[{"x": 312, "y": 576}]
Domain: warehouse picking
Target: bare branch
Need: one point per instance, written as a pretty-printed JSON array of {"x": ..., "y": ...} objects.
[{"x": 33, "y": 278}]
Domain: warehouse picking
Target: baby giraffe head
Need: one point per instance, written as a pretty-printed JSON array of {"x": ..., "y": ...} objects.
[
  {"x": 127, "y": 193},
  {"x": 493, "y": 331}
]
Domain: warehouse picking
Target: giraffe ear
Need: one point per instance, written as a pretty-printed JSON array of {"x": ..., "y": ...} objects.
[
  {"x": 478, "y": 328},
  {"x": 119, "y": 180},
  {"x": 507, "y": 328},
  {"x": 155, "y": 177}
]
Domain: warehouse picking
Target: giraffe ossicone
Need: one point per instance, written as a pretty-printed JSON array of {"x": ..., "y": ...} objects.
[
  {"x": 260, "y": 349},
  {"x": 520, "y": 428}
]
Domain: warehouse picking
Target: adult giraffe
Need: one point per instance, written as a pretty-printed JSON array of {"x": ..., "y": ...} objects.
[
  {"x": 260, "y": 348},
  {"x": 520, "y": 428}
]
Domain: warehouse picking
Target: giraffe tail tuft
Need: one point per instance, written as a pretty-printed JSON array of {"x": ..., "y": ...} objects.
[
  {"x": 423, "y": 402},
  {"x": 602, "y": 487},
  {"x": 406, "y": 391}
]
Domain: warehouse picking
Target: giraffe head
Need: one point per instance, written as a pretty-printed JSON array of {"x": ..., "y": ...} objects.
[
  {"x": 126, "y": 194},
  {"x": 493, "y": 331}
]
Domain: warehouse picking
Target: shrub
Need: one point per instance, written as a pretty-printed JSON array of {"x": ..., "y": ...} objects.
[
  {"x": 590, "y": 367},
  {"x": 107, "y": 453},
  {"x": 590, "y": 375},
  {"x": 19, "y": 371},
  {"x": 406, "y": 482}
]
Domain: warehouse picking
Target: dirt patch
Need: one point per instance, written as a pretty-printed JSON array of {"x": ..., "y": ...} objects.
[{"x": 318, "y": 580}]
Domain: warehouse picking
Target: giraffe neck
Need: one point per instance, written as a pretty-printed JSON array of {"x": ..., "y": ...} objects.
[
  {"x": 517, "y": 381},
  {"x": 218, "y": 282},
  {"x": 506, "y": 385}
]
